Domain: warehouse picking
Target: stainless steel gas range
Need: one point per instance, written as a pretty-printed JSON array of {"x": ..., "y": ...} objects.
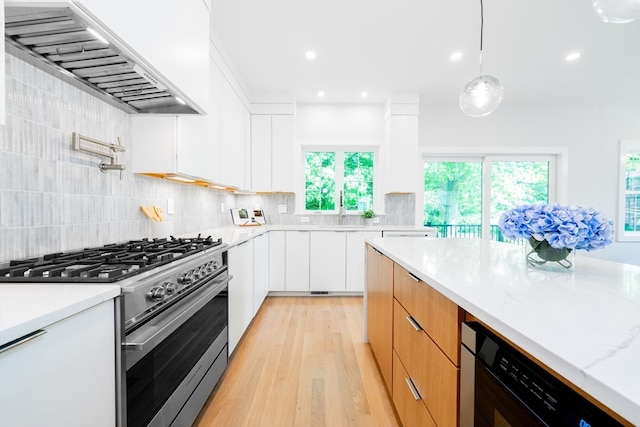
[{"x": 171, "y": 319}]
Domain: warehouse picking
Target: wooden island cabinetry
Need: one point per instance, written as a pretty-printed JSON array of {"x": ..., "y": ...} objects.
[{"x": 420, "y": 364}]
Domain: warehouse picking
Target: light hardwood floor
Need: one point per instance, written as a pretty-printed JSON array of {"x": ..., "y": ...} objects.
[{"x": 302, "y": 362}]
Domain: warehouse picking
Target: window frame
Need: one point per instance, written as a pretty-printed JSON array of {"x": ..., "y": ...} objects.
[
  {"x": 625, "y": 147},
  {"x": 556, "y": 156},
  {"x": 339, "y": 150}
]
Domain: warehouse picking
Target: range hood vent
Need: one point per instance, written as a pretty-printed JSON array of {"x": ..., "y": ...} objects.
[{"x": 69, "y": 44}]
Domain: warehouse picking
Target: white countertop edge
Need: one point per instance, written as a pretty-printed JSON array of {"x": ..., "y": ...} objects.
[
  {"x": 583, "y": 379},
  {"x": 42, "y": 309}
]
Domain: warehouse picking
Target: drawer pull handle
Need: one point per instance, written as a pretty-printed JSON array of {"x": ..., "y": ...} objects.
[
  {"x": 413, "y": 277},
  {"x": 412, "y": 387},
  {"x": 414, "y": 324},
  {"x": 22, "y": 340}
]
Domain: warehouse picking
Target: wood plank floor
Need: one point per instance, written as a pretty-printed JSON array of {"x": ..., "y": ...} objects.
[{"x": 302, "y": 362}]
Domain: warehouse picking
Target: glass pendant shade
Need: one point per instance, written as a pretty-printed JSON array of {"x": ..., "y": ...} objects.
[
  {"x": 617, "y": 11},
  {"x": 480, "y": 96}
]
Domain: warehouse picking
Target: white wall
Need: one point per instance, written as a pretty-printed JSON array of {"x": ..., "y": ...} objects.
[{"x": 590, "y": 134}]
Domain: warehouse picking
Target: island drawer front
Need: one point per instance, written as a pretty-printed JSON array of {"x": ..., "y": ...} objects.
[
  {"x": 436, "y": 314},
  {"x": 412, "y": 412},
  {"x": 432, "y": 373}
]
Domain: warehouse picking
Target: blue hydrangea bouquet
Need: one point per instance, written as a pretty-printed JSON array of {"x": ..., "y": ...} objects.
[{"x": 554, "y": 231}]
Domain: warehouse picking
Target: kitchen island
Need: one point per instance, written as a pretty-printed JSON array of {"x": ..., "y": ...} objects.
[{"x": 584, "y": 326}]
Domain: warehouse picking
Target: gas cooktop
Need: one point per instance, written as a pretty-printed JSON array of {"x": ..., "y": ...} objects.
[{"x": 105, "y": 264}]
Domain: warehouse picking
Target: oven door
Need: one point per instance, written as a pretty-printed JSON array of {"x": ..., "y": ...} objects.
[{"x": 171, "y": 355}]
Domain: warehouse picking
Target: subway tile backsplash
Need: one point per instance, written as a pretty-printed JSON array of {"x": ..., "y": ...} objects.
[{"x": 54, "y": 199}]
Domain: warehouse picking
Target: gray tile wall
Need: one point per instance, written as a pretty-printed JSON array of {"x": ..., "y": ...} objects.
[{"x": 55, "y": 199}]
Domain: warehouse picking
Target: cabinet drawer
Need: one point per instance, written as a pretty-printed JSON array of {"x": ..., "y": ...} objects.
[
  {"x": 433, "y": 374},
  {"x": 437, "y": 315},
  {"x": 412, "y": 412}
]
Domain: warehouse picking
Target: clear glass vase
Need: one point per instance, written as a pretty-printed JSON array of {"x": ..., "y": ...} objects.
[{"x": 540, "y": 255}]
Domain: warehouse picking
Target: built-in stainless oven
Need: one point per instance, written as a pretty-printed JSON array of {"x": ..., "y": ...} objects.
[{"x": 499, "y": 386}]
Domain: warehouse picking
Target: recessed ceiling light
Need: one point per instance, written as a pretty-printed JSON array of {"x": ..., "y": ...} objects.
[
  {"x": 364, "y": 94},
  {"x": 456, "y": 56},
  {"x": 572, "y": 56},
  {"x": 310, "y": 54},
  {"x": 321, "y": 94}
]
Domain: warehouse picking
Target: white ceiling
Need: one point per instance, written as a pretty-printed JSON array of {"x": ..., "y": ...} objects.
[{"x": 403, "y": 46}]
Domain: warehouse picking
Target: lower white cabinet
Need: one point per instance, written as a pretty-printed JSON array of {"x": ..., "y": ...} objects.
[
  {"x": 356, "y": 255},
  {"x": 327, "y": 261},
  {"x": 260, "y": 270},
  {"x": 240, "y": 264},
  {"x": 297, "y": 261},
  {"x": 276, "y": 260},
  {"x": 65, "y": 377}
]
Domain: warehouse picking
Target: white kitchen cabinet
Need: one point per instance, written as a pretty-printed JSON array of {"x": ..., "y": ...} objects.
[
  {"x": 65, "y": 377},
  {"x": 233, "y": 153},
  {"x": 260, "y": 270},
  {"x": 261, "y": 153},
  {"x": 356, "y": 255},
  {"x": 276, "y": 260},
  {"x": 176, "y": 144},
  {"x": 240, "y": 265},
  {"x": 272, "y": 152},
  {"x": 171, "y": 35},
  {"x": 297, "y": 261},
  {"x": 283, "y": 153},
  {"x": 327, "y": 261}
]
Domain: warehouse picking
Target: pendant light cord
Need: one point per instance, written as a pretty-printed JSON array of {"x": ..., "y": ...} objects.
[
  {"x": 481, "y": 24},
  {"x": 481, "y": 32}
]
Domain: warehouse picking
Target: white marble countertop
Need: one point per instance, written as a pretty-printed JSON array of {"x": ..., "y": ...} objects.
[
  {"x": 25, "y": 308},
  {"x": 583, "y": 325}
]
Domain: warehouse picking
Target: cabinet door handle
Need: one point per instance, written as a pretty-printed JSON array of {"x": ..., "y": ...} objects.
[
  {"x": 414, "y": 324},
  {"x": 22, "y": 340},
  {"x": 413, "y": 277},
  {"x": 412, "y": 387}
]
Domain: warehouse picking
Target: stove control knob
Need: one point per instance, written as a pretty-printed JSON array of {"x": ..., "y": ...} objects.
[
  {"x": 186, "y": 278},
  {"x": 215, "y": 265},
  {"x": 170, "y": 288},
  {"x": 157, "y": 294}
]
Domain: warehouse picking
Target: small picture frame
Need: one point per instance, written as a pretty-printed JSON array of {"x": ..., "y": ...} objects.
[{"x": 258, "y": 216}]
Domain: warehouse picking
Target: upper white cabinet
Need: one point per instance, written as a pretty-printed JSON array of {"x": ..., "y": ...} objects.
[
  {"x": 171, "y": 35},
  {"x": 234, "y": 134},
  {"x": 177, "y": 144},
  {"x": 272, "y": 152}
]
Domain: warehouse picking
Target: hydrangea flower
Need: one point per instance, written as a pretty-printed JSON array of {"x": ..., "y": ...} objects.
[{"x": 561, "y": 226}]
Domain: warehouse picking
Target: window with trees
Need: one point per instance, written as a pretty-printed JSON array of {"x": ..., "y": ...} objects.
[
  {"x": 465, "y": 197},
  {"x": 330, "y": 175},
  {"x": 629, "y": 193}
]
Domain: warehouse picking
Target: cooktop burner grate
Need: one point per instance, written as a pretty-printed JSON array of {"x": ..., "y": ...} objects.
[{"x": 104, "y": 264}]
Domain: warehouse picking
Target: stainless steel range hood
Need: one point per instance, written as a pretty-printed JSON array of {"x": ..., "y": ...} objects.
[{"x": 67, "y": 42}]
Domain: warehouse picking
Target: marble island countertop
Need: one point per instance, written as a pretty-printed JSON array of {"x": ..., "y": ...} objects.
[{"x": 583, "y": 325}]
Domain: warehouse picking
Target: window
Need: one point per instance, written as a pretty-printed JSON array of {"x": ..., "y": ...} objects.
[
  {"x": 330, "y": 175},
  {"x": 629, "y": 193},
  {"x": 465, "y": 197}
]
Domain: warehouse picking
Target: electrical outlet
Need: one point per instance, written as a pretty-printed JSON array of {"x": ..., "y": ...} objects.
[
  {"x": 282, "y": 208},
  {"x": 222, "y": 207},
  {"x": 304, "y": 219},
  {"x": 171, "y": 209}
]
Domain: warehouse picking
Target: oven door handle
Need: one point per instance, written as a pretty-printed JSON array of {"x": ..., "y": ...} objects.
[{"x": 150, "y": 335}]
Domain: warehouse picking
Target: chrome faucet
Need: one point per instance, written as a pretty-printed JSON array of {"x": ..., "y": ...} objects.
[{"x": 342, "y": 212}]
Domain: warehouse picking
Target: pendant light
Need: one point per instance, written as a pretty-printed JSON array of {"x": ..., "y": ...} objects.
[
  {"x": 481, "y": 95},
  {"x": 617, "y": 11}
]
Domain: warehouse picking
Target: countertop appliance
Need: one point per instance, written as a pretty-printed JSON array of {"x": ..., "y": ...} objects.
[
  {"x": 171, "y": 319},
  {"x": 500, "y": 386}
]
